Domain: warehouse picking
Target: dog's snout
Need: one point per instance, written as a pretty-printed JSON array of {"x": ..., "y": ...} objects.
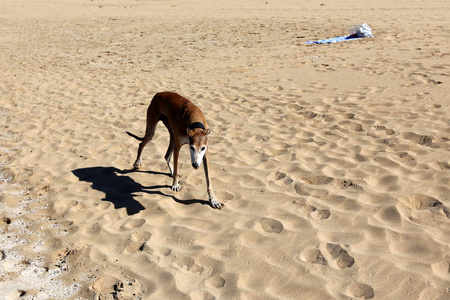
[{"x": 195, "y": 165}]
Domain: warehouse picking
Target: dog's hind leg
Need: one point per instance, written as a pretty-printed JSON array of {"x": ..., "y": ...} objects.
[
  {"x": 169, "y": 154},
  {"x": 152, "y": 120}
]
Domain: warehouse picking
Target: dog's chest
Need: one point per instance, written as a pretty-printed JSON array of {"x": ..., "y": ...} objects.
[{"x": 184, "y": 140}]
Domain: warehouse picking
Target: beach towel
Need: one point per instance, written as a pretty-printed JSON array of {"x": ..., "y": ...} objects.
[{"x": 357, "y": 32}]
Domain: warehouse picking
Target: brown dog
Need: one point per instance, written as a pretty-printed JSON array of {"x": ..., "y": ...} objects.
[{"x": 186, "y": 124}]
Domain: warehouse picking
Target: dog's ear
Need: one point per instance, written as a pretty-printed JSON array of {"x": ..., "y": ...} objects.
[{"x": 206, "y": 131}]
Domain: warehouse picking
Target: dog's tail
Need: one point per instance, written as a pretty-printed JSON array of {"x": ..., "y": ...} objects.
[{"x": 135, "y": 136}]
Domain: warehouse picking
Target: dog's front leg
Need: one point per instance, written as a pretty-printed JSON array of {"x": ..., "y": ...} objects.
[
  {"x": 175, "y": 183},
  {"x": 212, "y": 198}
]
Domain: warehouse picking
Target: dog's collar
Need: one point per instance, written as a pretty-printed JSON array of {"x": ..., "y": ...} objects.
[{"x": 196, "y": 125}]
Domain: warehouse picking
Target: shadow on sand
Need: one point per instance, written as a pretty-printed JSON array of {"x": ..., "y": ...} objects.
[{"x": 121, "y": 189}]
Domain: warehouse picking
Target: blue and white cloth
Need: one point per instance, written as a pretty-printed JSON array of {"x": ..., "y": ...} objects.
[{"x": 358, "y": 32}]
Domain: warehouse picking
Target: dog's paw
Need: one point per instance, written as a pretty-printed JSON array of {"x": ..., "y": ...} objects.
[
  {"x": 175, "y": 188},
  {"x": 215, "y": 204},
  {"x": 137, "y": 165}
]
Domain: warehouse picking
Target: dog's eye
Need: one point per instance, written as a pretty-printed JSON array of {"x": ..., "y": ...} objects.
[
  {"x": 203, "y": 148},
  {"x": 192, "y": 147}
]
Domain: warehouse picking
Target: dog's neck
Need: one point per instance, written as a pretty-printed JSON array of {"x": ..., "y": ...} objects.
[{"x": 196, "y": 125}]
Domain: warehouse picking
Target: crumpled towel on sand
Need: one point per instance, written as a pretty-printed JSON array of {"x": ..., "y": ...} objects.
[{"x": 356, "y": 33}]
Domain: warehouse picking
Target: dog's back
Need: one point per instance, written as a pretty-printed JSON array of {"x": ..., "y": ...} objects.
[
  {"x": 169, "y": 99},
  {"x": 175, "y": 107}
]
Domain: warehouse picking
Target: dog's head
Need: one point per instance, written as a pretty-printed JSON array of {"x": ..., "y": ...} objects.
[{"x": 198, "y": 143}]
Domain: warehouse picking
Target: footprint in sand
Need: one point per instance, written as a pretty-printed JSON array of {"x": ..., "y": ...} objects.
[
  {"x": 106, "y": 285},
  {"x": 307, "y": 208},
  {"x": 317, "y": 180},
  {"x": 424, "y": 140},
  {"x": 354, "y": 126},
  {"x": 319, "y": 214},
  {"x": 386, "y": 130},
  {"x": 131, "y": 224},
  {"x": 110, "y": 287},
  {"x": 271, "y": 225},
  {"x": 141, "y": 236},
  {"x": 216, "y": 282},
  {"x": 314, "y": 256},
  {"x": 137, "y": 242},
  {"x": 188, "y": 264},
  {"x": 340, "y": 256},
  {"x": 348, "y": 116},
  {"x": 189, "y": 273},
  {"x": 421, "y": 201},
  {"x": 360, "y": 291},
  {"x": 346, "y": 183},
  {"x": 280, "y": 178}
]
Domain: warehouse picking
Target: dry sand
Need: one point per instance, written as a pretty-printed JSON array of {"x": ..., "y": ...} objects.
[{"x": 333, "y": 161}]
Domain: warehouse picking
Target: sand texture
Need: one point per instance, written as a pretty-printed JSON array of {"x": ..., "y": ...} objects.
[{"x": 333, "y": 161}]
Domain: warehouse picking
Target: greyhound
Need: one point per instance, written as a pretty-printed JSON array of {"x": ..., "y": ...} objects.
[{"x": 186, "y": 124}]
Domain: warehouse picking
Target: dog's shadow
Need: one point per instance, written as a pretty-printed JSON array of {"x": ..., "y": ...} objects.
[{"x": 121, "y": 189}]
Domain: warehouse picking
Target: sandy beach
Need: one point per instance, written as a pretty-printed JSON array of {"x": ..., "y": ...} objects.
[{"x": 332, "y": 161}]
